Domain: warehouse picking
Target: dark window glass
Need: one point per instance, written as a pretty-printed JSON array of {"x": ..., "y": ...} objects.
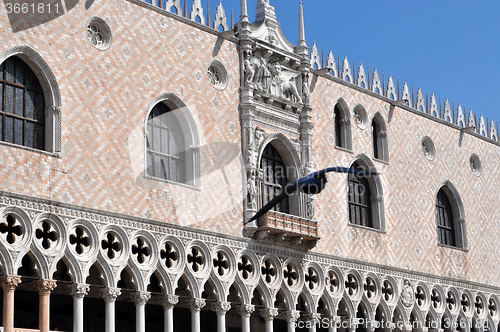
[
  {"x": 165, "y": 145},
  {"x": 375, "y": 135},
  {"x": 359, "y": 200},
  {"x": 275, "y": 178},
  {"x": 444, "y": 216},
  {"x": 338, "y": 127},
  {"x": 22, "y": 105}
]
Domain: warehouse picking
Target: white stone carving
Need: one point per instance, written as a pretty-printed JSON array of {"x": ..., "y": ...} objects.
[
  {"x": 197, "y": 11},
  {"x": 376, "y": 82},
  {"x": 220, "y": 18},
  {"x": 176, "y": 4},
  {"x": 315, "y": 60},
  {"x": 433, "y": 108},
  {"x": 362, "y": 81},
  {"x": 447, "y": 111},
  {"x": 420, "y": 101},
  {"x": 472, "y": 120},
  {"x": 406, "y": 94},
  {"x": 346, "y": 71},
  {"x": 461, "y": 117},
  {"x": 482, "y": 127},
  {"x": 330, "y": 63},
  {"x": 407, "y": 294},
  {"x": 390, "y": 92}
]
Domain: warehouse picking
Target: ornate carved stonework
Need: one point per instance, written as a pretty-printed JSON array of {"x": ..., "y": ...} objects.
[
  {"x": 269, "y": 313},
  {"x": 45, "y": 286},
  {"x": 221, "y": 307},
  {"x": 195, "y": 304},
  {"x": 169, "y": 300},
  {"x": 79, "y": 290},
  {"x": 407, "y": 294},
  {"x": 10, "y": 282},
  {"x": 140, "y": 298},
  {"x": 110, "y": 294},
  {"x": 247, "y": 309}
]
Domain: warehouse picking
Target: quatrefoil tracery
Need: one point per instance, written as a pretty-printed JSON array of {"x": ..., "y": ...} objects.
[
  {"x": 11, "y": 229},
  {"x": 195, "y": 259},
  {"x": 110, "y": 245},
  {"x": 370, "y": 288},
  {"x": 141, "y": 250},
  {"x": 169, "y": 255},
  {"x": 351, "y": 285},
  {"x": 387, "y": 290},
  {"x": 435, "y": 299},
  {"x": 465, "y": 302},
  {"x": 420, "y": 296},
  {"x": 332, "y": 282},
  {"x": 451, "y": 301},
  {"x": 221, "y": 263},
  {"x": 268, "y": 271},
  {"x": 80, "y": 240},
  {"x": 290, "y": 273},
  {"x": 46, "y": 235},
  {"x": 245, "y": 267}
]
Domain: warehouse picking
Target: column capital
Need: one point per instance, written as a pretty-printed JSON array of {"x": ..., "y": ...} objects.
[
  {"x": 247, "y": 310},
  {"x": 195, "y": 304},
  {"x": 221, "y": 307},
  {"x": 110, "y": 294},
  {"x": 45, "y": 286},
  {"x": 10, "y": 282},
  {"x": 79, "y": 290},
  {"x": 169, "y": 300},
  {"x": 291, "y": 316},
  {"x": 314, "y": 318},
  {"x": 269, "y": 313},
  {"x": 141, "y": 297}
]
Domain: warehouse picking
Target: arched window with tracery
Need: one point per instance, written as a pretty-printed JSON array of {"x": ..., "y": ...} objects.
[
  {"x": 342, "y": 126},
  {"x": 274, "y": 178},
  {"x": 22, "y": 108},
  {"x": 444, "y": 218},
  {"x": 379, "y": 138},
  {"x": 359, "y": 200},
  {"x": 166, "y": 150}
]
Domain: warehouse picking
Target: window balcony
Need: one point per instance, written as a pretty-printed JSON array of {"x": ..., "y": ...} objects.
[{"x": 287, "y": 229}]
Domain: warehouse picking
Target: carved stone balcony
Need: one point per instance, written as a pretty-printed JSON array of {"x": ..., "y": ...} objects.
[{"x": 282, "y": 228}]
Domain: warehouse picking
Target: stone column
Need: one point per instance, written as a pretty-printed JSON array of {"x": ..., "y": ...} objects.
[
  {"x": 291, "y": 317},
  {"x": 140, "y": 299},
  {"x": 9, "y": 284},
  {"x": 78, "y": 292},
  {"x": 110, "y": 294},
  {"x": 44, "y": 287},
  {"x": 246, "y": 311},
  {"x": 313, "y": 320},
  {"x": 169, "y": 302},
  {"x": 220, "y": 309},
  {"x": 268, "y": 314},
  {"x": 195, "y": 305},
  {"x": 333, "y": 323}
]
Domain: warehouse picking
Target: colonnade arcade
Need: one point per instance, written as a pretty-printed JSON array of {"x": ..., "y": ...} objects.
[{"x": 92, "y": 272}]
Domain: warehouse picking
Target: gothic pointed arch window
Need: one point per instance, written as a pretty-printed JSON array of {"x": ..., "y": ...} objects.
[
  {"x": 274, "y": 178},
  {"x": 342, "y": 126},
  {"x": 365, "y": 197},
  {"x": 379, "y": 138},
  {"x": 170, "y": 144},
  {"x": 449, "y": 218},
  {"x": 359, "y": 199},
  {"x": 22, "y": 108}
]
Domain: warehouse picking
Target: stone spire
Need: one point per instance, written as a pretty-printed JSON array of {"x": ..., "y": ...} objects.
[
  {"x": 243, "y": 11},
  {"x": 301, "y": 43}
]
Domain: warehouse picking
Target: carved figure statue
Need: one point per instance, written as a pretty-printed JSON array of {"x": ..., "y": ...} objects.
[
  {"x": 281, "y": 79},
  {"x": 251, "y": 190},
  {"x": 407, "y": 294},
  {"x": 263, "y": 78},
  {"x": 249, "y": 68},
  {"x": 305, "y": 89}
]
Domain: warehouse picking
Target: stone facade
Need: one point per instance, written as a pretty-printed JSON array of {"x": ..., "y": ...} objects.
[{"x": 89, "y": 201}]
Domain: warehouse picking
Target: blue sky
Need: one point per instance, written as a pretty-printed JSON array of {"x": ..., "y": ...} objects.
[{"x": 451, "y": 48}]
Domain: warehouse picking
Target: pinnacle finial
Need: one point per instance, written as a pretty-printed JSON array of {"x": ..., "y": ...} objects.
[
  {"x": 243, "y": 11},
  {"x": 302, "y": 33}
]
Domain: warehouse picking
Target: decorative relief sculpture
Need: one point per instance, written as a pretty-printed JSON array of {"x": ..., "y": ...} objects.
[
  {"x": 271, "y": 77},
  {"x": 407, "y": 297},
  {"x": 305, "y": 89}
]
